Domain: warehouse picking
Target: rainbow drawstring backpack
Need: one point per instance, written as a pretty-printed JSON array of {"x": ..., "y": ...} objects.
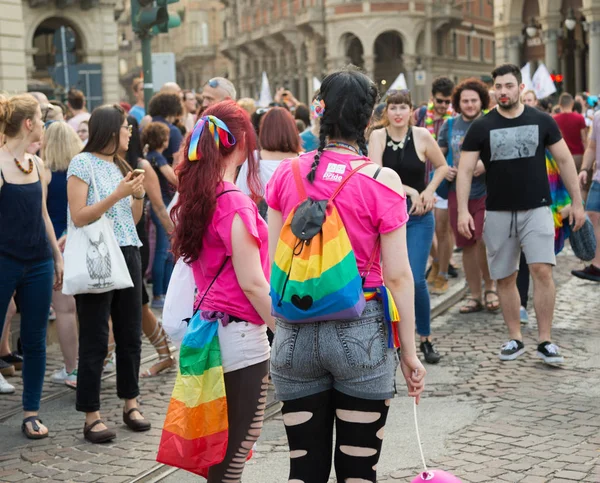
[{"x": 314, "y": 276}]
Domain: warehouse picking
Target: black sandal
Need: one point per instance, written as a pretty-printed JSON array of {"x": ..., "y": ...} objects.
[
  {"x": 34, "y": 426},
  {"x": 97, "y": 437},
  {"x": 136, "y": 424}
]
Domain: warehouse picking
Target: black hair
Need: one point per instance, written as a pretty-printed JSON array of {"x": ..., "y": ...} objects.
[
  {"x": 134, "y": 151},
  {"x": 505, "y": 69},
  {"x": 442, "y": 85},
  {"x": 165, "y": 104},
  {"x": 105, "y": 132},
  {"x": 577, "y": 107},
  {"x": 349, "y": 97}
]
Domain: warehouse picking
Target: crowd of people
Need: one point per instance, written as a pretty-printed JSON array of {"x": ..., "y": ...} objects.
[{"x": 225, "y": 185}]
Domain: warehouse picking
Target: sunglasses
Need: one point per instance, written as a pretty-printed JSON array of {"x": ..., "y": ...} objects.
[
  {"x": 442, "y": 101},
  {"x": 262, "y": 110},
  {"x": 129, "y": 128}
]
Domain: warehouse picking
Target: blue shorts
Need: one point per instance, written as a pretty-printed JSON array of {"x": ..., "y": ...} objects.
[
  {"x": 350, "y": 356},
  {"x": 593, "y": 199}
]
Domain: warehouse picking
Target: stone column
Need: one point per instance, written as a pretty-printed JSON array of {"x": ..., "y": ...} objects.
[
  {"x": 13, "y": 76},
  {"x": 513, "y": 45},
  {"x": 243, "y": 75},
  {"x": 550, "y": 37},
  {"x": 578, "y": 69},
  {"x": 593, "y": 67},
  {"x": 410, "y": 65},
  {"x": 369, "y": 67}
]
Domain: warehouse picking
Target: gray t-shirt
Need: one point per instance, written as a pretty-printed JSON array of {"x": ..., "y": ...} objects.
[{"x": 459, "y": 130}]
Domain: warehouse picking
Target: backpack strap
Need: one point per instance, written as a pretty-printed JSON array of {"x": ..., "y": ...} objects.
[
  {"x": 352, "y": 173},
  {"x": 298, "y": 178}
]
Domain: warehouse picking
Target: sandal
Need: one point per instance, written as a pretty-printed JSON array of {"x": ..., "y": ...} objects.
[
  {"x": 471, "y": 306},
  {"x": 35, "y": 428},
  {"x": 97, "y": 437},
  {"x": 136, "y": 424},
  {"x": 160, "y": 340},
  {"x": 494, "y": 304}
]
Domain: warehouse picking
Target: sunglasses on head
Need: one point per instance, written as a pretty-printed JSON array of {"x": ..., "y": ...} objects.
[
  {"x": 262, "y": 110},
  {"x": 442, "y": 101},
  {"x": 214, "y": 83}
]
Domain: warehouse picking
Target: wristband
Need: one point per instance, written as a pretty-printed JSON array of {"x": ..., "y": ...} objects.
[{"x": 136, "y": 198}]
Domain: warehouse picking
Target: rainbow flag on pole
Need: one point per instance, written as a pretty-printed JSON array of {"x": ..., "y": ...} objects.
[{"x": 195, "y": 431}]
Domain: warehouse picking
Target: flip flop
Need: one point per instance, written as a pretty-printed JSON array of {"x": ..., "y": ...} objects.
[
  {"x": 471, "y": 306},
  {"x": 33, "y": 433},
  {"x": 491, "y": 305}
]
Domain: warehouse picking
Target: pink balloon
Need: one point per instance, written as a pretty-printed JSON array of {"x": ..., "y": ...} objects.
[{"x": 436, "y": 476}]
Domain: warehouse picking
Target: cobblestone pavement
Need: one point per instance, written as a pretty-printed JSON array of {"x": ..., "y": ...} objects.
[{"x": 482, "y": 419}]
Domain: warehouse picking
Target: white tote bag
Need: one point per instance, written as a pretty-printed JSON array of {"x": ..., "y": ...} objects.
[
  {"x": 94, "y": 262},
  {"x": 179, "y": 301}
]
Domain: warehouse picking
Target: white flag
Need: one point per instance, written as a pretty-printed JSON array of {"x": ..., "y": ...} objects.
[
  {"x": 542, "y": 82},
  {"x": 265, "y": 92},
  {"x": 526, "y": 74},
  {"x": 399, "y": 83},
  {"x": 316, "y": 84}
]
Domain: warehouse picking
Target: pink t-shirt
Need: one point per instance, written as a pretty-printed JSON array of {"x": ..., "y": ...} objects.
[
  {"x": 367, "y": 207},
  {"x": 226, "y": 295}
]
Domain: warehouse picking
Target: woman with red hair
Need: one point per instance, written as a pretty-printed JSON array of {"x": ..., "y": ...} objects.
[{"x": 221, "y": 235}]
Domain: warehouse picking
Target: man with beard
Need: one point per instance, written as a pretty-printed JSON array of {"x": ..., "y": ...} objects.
[
  {"x": 518, "y": 197},
  {"x": 469, "y": 99}
]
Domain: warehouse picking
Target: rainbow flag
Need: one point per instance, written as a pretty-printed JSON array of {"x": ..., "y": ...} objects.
[
  {"x": 560, "y": 199},
  {"x": 195, "y": 432}
]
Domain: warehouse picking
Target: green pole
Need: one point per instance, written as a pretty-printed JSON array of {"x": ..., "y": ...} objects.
[{"x": 146, "y": 39}]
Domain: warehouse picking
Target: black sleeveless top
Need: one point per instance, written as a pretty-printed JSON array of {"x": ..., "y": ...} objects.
[{"x": 405, "y": 161}]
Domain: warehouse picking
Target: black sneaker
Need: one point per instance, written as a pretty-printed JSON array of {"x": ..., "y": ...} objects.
[
  {"x": 550, "y": 353},
  {"x": 14, "y": 359},
  {"x": 452, "y": 271},
  {"x": 431, "y": 355},
  {"x": 590, "y": 272},
  {"x": 511, "y": 350}
]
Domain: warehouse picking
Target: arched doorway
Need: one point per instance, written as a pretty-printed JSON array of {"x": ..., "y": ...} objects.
[
  {"x": 533, "y": 49},
  {"x": 353, "y": 50},
  {"x": 52, "y": 45},
  {"x": 573, "y": 47},
  {"x": 388, "y": 52}
]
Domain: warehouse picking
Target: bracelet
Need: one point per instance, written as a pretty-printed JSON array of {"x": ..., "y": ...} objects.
[{"x": 136, "y": 198}]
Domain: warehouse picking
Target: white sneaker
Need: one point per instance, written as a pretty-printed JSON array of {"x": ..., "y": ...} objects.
[
  {"x": 62, "y": 376},
  {"x": 111, "y": 365},
  {"x": 523, "y": 315},
  {"x": 5, "y": 387}
]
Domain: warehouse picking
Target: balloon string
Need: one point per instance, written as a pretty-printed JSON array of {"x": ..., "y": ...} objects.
[{"x": 418, "y": 435}]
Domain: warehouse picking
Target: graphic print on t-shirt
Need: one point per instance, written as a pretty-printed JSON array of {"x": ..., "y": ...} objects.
[{"x": 514, "y": 142}]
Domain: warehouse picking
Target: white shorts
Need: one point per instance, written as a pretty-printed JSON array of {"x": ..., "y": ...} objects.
[
  {"x": 440, "y": 202},
  {"x": 243, "y": 344}
]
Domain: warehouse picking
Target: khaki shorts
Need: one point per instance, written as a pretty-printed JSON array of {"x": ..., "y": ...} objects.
[{"x": 506, "y": 233}]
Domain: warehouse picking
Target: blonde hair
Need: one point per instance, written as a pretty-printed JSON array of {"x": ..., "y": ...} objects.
[
  {"x": 247, "y": 104},
  {"x": 61, "y": 144},
  {"x": 51, "y": 112},
  {"x": 530, "y": 91},
  {"x": 15, "y": 110}
]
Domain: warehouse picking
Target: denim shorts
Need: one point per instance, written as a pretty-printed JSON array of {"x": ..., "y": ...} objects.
[
  {"x": 593, "y": 198},
  {"x": 350, "y": 356}
]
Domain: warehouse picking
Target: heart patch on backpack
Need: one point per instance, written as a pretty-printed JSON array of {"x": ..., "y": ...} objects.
[{"x": 303, "y": 303}]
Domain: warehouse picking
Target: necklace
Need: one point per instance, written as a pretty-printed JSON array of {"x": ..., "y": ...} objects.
[
  {"x": 342, "y": 145},
  {"x": 18, "y": 163},
  {"x": 429, "y": 118},
  {"x": 398, "y": 145}
]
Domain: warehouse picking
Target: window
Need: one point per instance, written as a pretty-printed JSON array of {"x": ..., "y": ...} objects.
[
  {"x": 204, "y": 33},
  {"x": 481, "y": 50},
  {"x": 469, "y": 47},
  {"x": 454, "y": 44}
]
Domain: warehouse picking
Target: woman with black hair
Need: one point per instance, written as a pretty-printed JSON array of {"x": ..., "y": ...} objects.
[
  {"x": 150, "y": 325},
  {"x": 320, "y": 372},
  {"x": 121, "y": 194}
]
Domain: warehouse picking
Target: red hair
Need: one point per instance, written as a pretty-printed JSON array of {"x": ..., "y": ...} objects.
[
  {"x": 278, "y": 131},
  {"x": 200, "y": 180}
]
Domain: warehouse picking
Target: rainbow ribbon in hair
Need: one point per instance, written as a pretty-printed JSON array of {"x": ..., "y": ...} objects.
[{"x": 218, "y": 130}]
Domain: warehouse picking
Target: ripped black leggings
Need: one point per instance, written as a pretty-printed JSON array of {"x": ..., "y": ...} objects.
[
  {"x": 246, "y": 400},
  {"x": 359, "y": 426}
]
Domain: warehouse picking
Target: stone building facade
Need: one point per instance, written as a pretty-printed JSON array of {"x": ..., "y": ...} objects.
[
  {"x": 296, "y": 40},
  {"x": 564, "y": 34},
  {"x": 194, "y": 44},
  {"x": 26, "y": 42}
]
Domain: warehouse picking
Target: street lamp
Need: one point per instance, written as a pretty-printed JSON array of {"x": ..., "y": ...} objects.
[
  {"x": 532, "y": 28},
  {"x": 570, "y": 21}
]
